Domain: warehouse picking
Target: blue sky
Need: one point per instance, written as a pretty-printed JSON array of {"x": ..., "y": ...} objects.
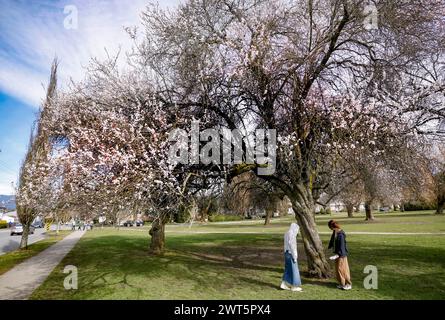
[
  {"x": 16, "y": 119},
  {"x": 32, "y": 33}
]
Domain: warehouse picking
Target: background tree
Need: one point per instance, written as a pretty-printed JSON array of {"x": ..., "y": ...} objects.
[
  {"x": 247, "y": 194},
  {"x": 436, "y": 176}
]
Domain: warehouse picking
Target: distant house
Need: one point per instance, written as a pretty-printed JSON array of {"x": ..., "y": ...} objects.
[{"x": 8, "y": 217}]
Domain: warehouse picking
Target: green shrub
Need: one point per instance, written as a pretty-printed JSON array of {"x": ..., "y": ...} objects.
[
  {"x": 3, "y": 224},
  {"x": 419, "y": 205},
  {"x": 224, "y": 217}
]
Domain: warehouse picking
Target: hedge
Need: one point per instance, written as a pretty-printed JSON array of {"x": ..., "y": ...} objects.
[{"x": 224, "y": 217}]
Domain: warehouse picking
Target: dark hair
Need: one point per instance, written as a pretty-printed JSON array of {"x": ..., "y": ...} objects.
[{"x": 333, "y": 224}]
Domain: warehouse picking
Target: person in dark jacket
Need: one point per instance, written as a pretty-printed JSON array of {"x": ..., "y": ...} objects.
[{"x": 338, "y": 244}]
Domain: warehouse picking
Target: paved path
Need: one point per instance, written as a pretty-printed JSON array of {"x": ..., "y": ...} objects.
[{"x": 19, "y": 282}]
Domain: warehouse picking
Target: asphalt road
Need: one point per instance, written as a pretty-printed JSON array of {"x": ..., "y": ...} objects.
[{"x": 9, "y": 243}]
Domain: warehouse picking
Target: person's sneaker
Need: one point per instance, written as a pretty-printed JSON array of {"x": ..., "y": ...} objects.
[
  {"x": 296, "y": 289},
  {"x": 347, "y": 287},
  {"x": 284, "y": 286},
  {"x": 339, "y": 286}
]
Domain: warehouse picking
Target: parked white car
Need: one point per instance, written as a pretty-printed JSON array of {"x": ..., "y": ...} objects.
[{"x": 18, "y": 229}]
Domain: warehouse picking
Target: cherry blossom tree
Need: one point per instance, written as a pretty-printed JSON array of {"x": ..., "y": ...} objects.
[
  {"x": 314, "y": 71},
  {"x": 116, "y": 158},
  {"x": 38, "y": 188},
  {"x": 298, "y": 67}
]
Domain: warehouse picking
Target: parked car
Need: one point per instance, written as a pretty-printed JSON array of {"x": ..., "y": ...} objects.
[
  {"x": 128, "y": 223},
  {"x": 38, "y": 224},
  {"x": 139, "y": 223},
  {"x": 18, "y": 229}
]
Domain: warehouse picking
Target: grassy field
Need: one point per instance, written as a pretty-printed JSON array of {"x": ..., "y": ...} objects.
[
  {"x": 243, "y": 260},
  {"x": 11, "y": 259},
  {"x": 416, "y": 221}
]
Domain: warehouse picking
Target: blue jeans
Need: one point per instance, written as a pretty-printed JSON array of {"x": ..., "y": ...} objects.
[{"x": 291, "y": 273}]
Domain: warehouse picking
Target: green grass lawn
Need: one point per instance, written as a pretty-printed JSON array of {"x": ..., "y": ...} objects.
[
  {"x": 11, "y": 259},
  {"x": 114, "y": 264},
  {"x": 399, "y": 222}
]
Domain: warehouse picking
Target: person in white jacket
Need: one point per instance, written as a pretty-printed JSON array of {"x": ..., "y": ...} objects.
[{"x": 291, "y": 277}]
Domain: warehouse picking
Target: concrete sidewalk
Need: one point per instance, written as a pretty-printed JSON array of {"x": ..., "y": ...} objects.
[{"x": 19, "y": 282}]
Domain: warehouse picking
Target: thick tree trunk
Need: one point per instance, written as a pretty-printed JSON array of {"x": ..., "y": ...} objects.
[
  {"x": 368, "y": 210},
  {"x": 157, "y": 233},
  {"x": 350, "y": 210},
  {"x": 24, "y": 240},
  {"x": 318, "y": 265},
  {"x": 268, "y": 217},
  {"x": 440, "y": 206},
  {"x": 402, "y": 207}
]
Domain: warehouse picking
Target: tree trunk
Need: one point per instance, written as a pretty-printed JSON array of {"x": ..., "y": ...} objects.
[
  {"x": 205, "y": 212},
  {"x": 157, "y": 233},
  {"x": 368, "y": 210},
  {"x": 25, "y": 234},
  {"x": 318, "y": 265},
  {"x": 268, "y": 217},
  {"x": 402, "y": 207},
  {"x": 440, "y": 206},
  {"x": 350, "y": 209}
]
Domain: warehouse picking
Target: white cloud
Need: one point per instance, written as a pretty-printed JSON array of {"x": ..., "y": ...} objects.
[
  {"x": 33, "y": 33},
  {"x": 17, "y": 81},
  {"x": 5, "y": 189},
  {"x": 5, "y": 186}
]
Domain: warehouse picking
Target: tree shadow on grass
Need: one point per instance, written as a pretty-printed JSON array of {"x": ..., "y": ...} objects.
[
  {"x": 225, "y": 261},
  {"x": 260, "y": 283},
  {"x": 328, "y": 283}
]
